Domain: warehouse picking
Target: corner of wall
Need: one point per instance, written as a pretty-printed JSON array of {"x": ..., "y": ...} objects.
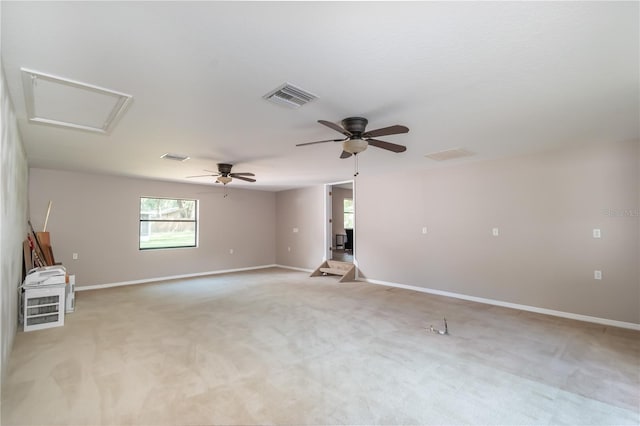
[
  {"x": 14, "y": 174},
  {"x": 300, "y": 227}
]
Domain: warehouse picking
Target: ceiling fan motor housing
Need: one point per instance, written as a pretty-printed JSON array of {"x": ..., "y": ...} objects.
[
  {"x": 355, "y": 125},
  {"x": 224, "y": 168}
]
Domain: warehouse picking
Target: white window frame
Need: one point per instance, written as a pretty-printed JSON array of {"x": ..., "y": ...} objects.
[{"x": 149, "y": 221}]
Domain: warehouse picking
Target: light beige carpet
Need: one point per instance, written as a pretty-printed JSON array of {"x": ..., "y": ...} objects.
[{"x": 277, "y": 347}]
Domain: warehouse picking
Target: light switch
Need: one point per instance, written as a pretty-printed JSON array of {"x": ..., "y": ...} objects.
[
  {"x": 75, "y": 256},
  {"x": 495, "y": 232},
  {"x": 230, "y": 251},
  {"x": 295, "y": 230},
  {"x": 424, "y": 229},
  {"x": 596, "y": 233},
  {"x": 597, "y": 275}
]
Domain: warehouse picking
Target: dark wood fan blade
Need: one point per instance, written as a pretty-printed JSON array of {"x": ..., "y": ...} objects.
[
  {"x": 386, "y": 131},
  {"x": 241, "y": 174},
  {"x": 188, "y": 177},
  {"x": 244, "y": 178},
  {"x": 211, "y": 171},
  {"x": 387, "y": 145},
  {"x": 328, "y": 140},
  {"x": 335, "y": 127},
  {"x": 345, "y": 154}
]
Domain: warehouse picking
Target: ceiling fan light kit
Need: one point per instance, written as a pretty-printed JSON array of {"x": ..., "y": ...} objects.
[{"x": 355, "y": 145}]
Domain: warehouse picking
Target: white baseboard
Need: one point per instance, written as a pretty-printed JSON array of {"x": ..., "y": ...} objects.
[
  {"x": 294, "y": 268},
  {"x": 579, "y": 317},
  {"x": 173, "y": 277},
  {"x": 569, "y": 315}
]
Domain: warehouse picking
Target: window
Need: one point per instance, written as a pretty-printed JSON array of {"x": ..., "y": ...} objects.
[
  {"x": 348, "y": 213},
  {"x": 167, "y": 223}
]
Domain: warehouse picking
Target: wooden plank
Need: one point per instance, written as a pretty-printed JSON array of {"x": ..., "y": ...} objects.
[
  {"x": 37, "y": 250},
  {"x": 337, "y": 264},
  {"x": 317, "y": 272},
  {"x": 36, "y": 254},
  {"x": 44, "y": 238},
  {"x": 28, "y": 262},
  {"x": 333, "y": 271},
  {"x": 349, "y": 276}
]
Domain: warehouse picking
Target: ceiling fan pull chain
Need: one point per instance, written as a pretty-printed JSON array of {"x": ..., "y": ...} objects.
[{"x": 356, "y": 172}]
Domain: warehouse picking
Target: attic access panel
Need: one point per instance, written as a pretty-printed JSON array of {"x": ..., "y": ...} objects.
[{"x": 62, "y": 102}]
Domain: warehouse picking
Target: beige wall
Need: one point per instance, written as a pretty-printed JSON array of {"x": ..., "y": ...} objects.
[
  {"x": 13, "y": 220},
  {"x": 97, "y": 217},
  {"x": 339, "y": 194},
  {"x": 302, "y": 209},
  {"x": 545, "y": 206}
]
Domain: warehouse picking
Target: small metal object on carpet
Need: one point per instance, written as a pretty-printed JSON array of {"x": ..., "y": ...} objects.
[{"x": 443, "y": 332}]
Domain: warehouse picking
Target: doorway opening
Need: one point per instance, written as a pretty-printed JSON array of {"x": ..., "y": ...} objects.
[{"x": 340, "y": 219}]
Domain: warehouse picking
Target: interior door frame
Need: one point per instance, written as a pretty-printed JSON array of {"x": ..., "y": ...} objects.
[{"x": 328, "y": 215}]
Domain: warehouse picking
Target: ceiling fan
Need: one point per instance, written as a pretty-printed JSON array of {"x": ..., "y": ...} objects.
[
  {"x": 224, "y": 175},
  {"x": 357, "y": 140}
]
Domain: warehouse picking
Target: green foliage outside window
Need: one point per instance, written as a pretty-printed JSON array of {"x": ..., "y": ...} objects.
[{"x": 167, "y": 223}]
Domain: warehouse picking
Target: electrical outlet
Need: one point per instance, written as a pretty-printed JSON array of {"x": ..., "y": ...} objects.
[
  {"x": 424, "y": 229},
  {"x": 596, "y": 233},
  {"x": 75, "y": 256},
  {"x": 495, "y": 232},
  {"x": 288, "y": 248},
  {"x": 597, "y": 275}
]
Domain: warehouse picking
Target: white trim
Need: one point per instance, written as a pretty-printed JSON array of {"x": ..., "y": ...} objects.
[
  {"x": 328, "y": 210},
  {"x": 328, "y": 214},
  {"x": 173, "y": 277},
  {"x": 578, "y": 317},
  {"x": 122, "y": 101},
  {"x": 569, "y": 315},
  {"x": 354, "y": 243},
  {"x": 328, "y": 229},
  {"x": 294, "y": 268}
]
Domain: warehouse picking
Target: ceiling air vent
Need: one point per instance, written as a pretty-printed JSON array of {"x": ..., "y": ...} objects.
[
  {"x": 290, "y": 95},
  {"x": 174, "y": 157},
  {"x": 449, "y": 154}
]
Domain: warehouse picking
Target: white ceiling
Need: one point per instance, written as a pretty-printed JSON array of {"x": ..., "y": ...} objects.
[{"x": 496, "y": 78}]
